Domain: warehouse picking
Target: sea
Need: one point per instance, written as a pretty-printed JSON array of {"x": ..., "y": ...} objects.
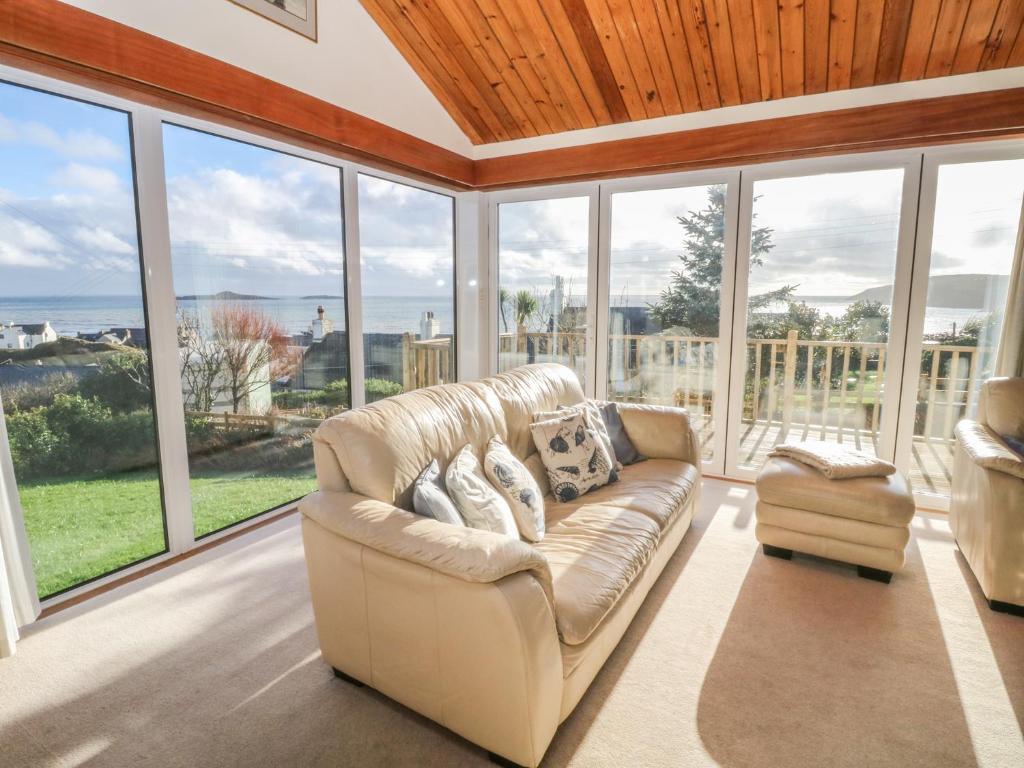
[
  {"x": 381, "y": 314},
  {"x": 88, "y": 314}
]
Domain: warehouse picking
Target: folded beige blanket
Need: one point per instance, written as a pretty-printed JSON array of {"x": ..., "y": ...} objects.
[{"x": 836, "y": 462}]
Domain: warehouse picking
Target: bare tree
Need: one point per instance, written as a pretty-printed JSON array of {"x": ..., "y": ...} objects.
[
  {"x": 250, "y": 342},
  {"x": 201, "y": 365}
]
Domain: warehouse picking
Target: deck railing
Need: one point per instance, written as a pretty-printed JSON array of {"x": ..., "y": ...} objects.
[
  {"x": 822, "y": 386},
  {"x": 425, "y": 363}
]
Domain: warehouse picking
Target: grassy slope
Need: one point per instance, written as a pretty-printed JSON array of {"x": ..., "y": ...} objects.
[{"x": 80, "y": 529}]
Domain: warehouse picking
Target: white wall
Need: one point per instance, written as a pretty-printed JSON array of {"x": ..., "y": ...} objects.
[
  {"x": 764, "y": 110},
  {"x": 353, "y": 65}
]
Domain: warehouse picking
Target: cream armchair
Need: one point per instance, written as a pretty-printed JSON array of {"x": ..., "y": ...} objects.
[{"x": 987, "y": 509}]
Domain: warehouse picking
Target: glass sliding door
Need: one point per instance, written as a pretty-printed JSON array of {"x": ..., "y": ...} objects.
[
  {"x": 820, "y": 349},
  {"x": 75, "y": 374},
  {"x": 543, "y": 271},
  {"x": 666, "y": 266},
  {"x": 407, "y": 267},
  {"x": 977, "y": 213},
  {"x": 259, "y": 274}
]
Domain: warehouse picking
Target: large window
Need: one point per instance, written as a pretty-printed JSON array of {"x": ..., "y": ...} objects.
[
  {"x": 665, "y": 274},
  {"x": 977, "y": 213},
  {"x": 74, "y": 352},
  {"x": 543, "y": 264},
  {"x": 407, "y": 265},
  {"x": 823, "y": 254},
  {"x": 258, "y": 261}
]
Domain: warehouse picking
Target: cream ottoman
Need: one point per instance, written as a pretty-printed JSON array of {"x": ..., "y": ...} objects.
[{"x": 864, "y": 521}]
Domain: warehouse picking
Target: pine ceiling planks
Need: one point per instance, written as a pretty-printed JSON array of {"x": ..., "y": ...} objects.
[{"x": 511, "y": 69}]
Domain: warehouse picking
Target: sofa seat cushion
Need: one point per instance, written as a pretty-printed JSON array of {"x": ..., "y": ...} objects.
[
  {"x": 657, "y": 488},
  {"x": 883, "y": 500},
  {"x": 594, "y": 554}
]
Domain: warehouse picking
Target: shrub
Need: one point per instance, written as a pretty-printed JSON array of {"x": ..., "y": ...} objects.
[
  {"x": 26, "y": 395},
  {"x": 32, "y": 443},
  {"x": 378, "y": 389},
  {"x": 121, "y": 382}
]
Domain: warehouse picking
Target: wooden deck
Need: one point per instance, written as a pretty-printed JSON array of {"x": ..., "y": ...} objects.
[{"x": 931, "y": 462}]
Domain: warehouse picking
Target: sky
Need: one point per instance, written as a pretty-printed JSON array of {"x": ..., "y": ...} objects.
[
  {"x": 242, "y": 218},
  {"x": 252, "y": 220}
]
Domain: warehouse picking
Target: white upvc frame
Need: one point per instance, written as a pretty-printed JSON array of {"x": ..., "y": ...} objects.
[
  {"x": 146, "y": 126},
  {"x": 934, "y": 159},
  {"x": 910, "y": 162},
  {"x": 535, "y": 194},
  {"x": 730, "y": 178}
]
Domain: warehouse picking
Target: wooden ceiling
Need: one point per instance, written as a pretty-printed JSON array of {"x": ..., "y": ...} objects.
[{"x": 509, "y": 69}]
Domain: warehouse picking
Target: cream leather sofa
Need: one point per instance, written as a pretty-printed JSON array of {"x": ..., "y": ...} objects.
[
  {"x": 986, "y": 512},
  {"x": 492, "y": 637}
]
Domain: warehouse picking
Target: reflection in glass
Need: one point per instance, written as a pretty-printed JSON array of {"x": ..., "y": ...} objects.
[
  {"x": 666, "y": 278},
  {"x": 542, "y": 282},
  {"x": 977, "y": 212},
  {"x": 258, "y": 261},
  {"x": 822, "y": 266},
  {"x": 407, "y": 243},
  {"x": 74, "y": 347}
]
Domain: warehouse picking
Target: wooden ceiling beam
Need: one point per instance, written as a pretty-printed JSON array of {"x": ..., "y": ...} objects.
[{"x": 923, "y": 122}]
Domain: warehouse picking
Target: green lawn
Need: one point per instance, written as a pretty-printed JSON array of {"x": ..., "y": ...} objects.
[{"x": 82, "y": 528}]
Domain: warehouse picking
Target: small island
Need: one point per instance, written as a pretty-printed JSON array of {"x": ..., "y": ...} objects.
[{"x": 227, "y": 296}]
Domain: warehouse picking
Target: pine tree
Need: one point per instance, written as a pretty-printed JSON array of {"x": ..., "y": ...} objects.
[{"x": 690, "y": 303}]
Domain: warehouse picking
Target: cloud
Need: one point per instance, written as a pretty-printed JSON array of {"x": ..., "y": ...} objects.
[
  {"x": 27, "y": 244},
  {"x": 101, "y": 239},
  {"x": 88, "y": 178},
  {"x": 76, "y": 143}
]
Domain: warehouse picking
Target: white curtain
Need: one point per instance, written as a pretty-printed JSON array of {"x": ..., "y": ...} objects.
[
  {"x": 1010, "y": 355},
  {"x": 18, "y": 602}
]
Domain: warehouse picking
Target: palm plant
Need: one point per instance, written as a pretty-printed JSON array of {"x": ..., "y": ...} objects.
[{"x": 524, "y": 306}]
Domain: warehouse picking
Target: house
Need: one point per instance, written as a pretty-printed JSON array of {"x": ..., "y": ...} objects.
[
  {"x": 26, "y": 335},
  {"x": 562, "y": 383}
]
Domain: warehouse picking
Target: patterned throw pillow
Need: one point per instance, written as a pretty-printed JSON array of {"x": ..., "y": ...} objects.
[
  {"x": 514, "y": 482},
  {"x": 596, "y": 420},
  {"x": 430, "y": 499},
  {"x": 479, "y": 504},
  {"x": 575, "y": 459}
]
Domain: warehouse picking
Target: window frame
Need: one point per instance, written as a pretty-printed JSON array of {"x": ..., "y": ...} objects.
[
  {"x": 147, "y": 157},
  {"x": 494, "y": 200}
]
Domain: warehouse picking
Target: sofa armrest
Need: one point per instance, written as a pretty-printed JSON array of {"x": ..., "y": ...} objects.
[
  {"x": 661, "y": 432},
  {"x": 464, "y": 553},
  {"x": 986, "y": 450}
]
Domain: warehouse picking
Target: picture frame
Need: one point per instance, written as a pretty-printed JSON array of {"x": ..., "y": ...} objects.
[{"x": 297, "y": 15}]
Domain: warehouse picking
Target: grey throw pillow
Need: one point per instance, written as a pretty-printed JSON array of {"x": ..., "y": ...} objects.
[
  {"x": 624, "y": 449},
  {"x": 430, "y": 499},
  {"x": 1014, "y": 444}
]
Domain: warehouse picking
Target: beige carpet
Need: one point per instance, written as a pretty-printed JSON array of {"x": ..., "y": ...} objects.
[{"x": 734, "y": 660}]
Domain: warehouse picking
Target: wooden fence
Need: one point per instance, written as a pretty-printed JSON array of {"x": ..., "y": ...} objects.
[{"x": 227, "y": 422}]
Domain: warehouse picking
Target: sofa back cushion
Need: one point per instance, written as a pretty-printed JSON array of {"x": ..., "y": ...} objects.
[
  {"x": 531, "y": 389},
  {"x": 382, "y": 448}
]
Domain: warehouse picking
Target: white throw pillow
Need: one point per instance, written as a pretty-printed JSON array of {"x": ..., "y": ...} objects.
[
  {"x": 596, "y": 422},
  {"x": 479, "y": 504},
  {"x": 575, "y": 459},
  {"x": 514, "y": 482}
]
